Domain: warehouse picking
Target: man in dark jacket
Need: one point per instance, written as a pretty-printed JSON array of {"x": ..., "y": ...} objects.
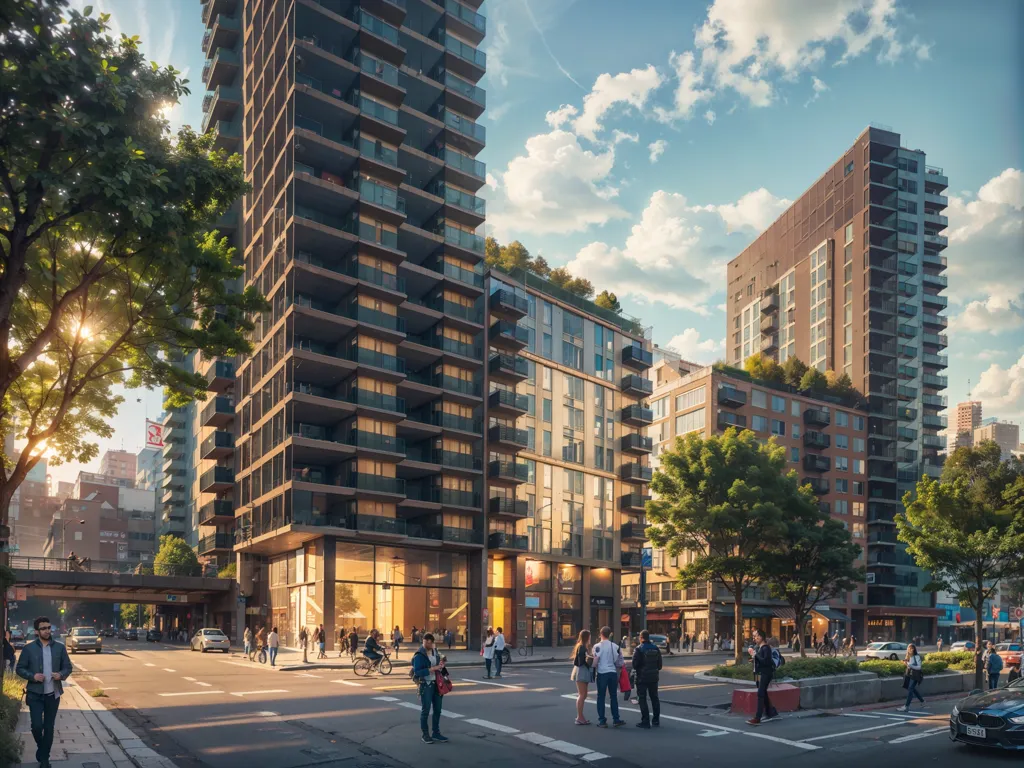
[
  {"x": 647, "y": 667},
  {"x": 764, "y": 671},
  {"x": 45, "y": 664}
]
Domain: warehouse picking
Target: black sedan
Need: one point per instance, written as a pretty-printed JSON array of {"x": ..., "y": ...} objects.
[
  {"x": 991, "y": 719},
  {"x": 153, "y": 636}
]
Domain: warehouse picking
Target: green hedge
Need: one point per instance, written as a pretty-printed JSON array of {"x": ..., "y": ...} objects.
[
  {"x": 887, "y": 668},
  {"x": 950, "y": 657},
  {"x": 798, "y": 669},
  {"x": 735, "y": 672},
  {"x": 10, "y": 706}
]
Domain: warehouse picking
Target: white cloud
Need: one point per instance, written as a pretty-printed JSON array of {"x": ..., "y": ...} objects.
[
  {"x": 689, "y": 345},
  {"x": 994, "y": 315},
  {"x": 1002, "y": 390},
  {"x": 921, "y": 49},
  {"x": 710, "y": 116},
  {"x": 492, "y": 182},
  {"x": 689, "y": 92},
  {"x": 499, "y": 51},
  {"x": 675, "y": 255},
  {"x": 556, "y": 118},
  {"x": 818, "y": 87},
  {"x": 620, "y": 136},
  {"x": 555, "y": 187},
  {"x": 657, "y": 149},
  {"x": 755, "y": 210},
  {"x": 496, "y": 113},
  {"x": 631, "y": 88},
  {"x": 986, "y": 241}
]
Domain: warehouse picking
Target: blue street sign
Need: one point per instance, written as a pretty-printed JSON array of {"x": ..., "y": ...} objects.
[{"x": 647, "y": 558}]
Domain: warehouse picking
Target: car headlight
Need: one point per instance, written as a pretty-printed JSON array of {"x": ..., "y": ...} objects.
[
  {"x": 1018, "y": 720},
  {"x": 955, "y": 713}
]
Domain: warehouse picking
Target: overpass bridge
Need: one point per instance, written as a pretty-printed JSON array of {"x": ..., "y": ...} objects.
[{"x": 118, "y": 582}]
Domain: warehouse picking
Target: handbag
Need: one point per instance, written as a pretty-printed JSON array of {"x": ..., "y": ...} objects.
[
  {"x": 443, "y": 683},
  {"x": 624, "y": 684}
]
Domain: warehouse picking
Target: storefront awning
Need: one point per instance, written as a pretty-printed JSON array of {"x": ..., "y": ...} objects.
[
  {"x": 749, "y": 611},
  {"x": 786, "y": 614},
  {"x": 828, "y": 613},
  {"x": 624, "y": 618},
  {"x": 663, "y": 616}
]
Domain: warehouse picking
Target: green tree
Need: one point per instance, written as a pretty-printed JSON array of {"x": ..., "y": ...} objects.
[
  {"x": 175, "y": 558},
  {"x": 814, "y": 381},
  {"x": 725, "y": 499},
  {"x": 967, "y": 529},
  {"x": 108, "y": 271},
  {"x": 229, "y": 571},
  {"x": 794, "y": 369},
  {"x": 539, "y": 266},
  {"x": 134, "y": 615},
  {"x": 814, "y": 562},
  {"x": 608, "y": 301},
  {"x": 492, "y": 252},
  {"x": 840, "y": 385},
  {"x": 764, "y": 368}
]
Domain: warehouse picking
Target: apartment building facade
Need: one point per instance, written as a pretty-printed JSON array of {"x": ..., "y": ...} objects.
[
  {"x": 1003, "y": 433},
  {"x": 850, "y": 279},
  {"x": 825, "y": 443},
  {"x": 120, "y": 464},
  {"x": 968, "y": 419}
]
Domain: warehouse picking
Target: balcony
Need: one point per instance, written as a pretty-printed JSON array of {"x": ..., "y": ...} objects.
[
  {"x": 904, "y": 392},
  {"x": 455, "y": 272},
  {"x": 508, "y": 542},
  {"x": 220, "y": 376},
  {"x": 935, "y": 361},
  {"x": 933, "y": 441},
  {"x": 726, "y": 420},
  {"x": 931, "y": 380},
  {"x": 500, "y": 436},
  {"x": 508, "y": 369},
  {"x": 815, "y": 463},
  {"x": 935, "y": 321},
  {"x": 817, "y": 417},
  {"x": 507, "y": 404},
  {"x": 938, "y": 242},
  {"x": 218, "y": 413},
  {"x": 770, "y": 323},
  {"x": 936, "y": 281},
  {"x": 770, "y": 303},
  {"x": 364, "y": 481},
  {"x": 934, "y": 401},
  {"x": 219, "y": 445},
  {"x": 731, "y": 397},
  {"x": 507, "y": 472},
  {"x": 818, "y": 484},
  {"x": 450, "y": 497},
  {"x": 505, "y": 302},
  {"x": 637, "y": 415},
  {"x": 631, "y": 559},
  {"x": 637, "y": 444},
  {"x": 633, "y": 502},
  {"x": 375, "y": 441},
  {"x": 637, "y": 358},
  {"x": 935, "y": 301},
  {"x": 636, "y": 386},
  {"x": 935, "y": 178},
  {"x": 370, "y": 399},
  {"x": 217, "y": 480},
  {"x": 515, "y": 509},
  {"x": 933, "y": 202},
  {"x": 769, "y": 343},
  {"x": 506, "y": 335},
  {"x": 633, "y": 531},
  {"x": 215, "y": 543},
  {"x": 217, "y": 512},
  {"x": 934, "y": 260},
  {"x": 635, "y": 472},
  {"x": 935, "y": 422},
  {"x": 814, "y": 439}
]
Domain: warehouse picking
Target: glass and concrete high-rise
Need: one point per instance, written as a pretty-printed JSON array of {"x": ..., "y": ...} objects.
[
  {"x": 850, "y": 278},
  {"x": 1004, "y": 434},
  {"x": 968, "y": 419},
  {"x": 360, "y": 412},
  {"x": 566, "y": 471}
]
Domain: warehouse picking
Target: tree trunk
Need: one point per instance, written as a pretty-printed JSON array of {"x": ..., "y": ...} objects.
[
  {"x": 800, "y": 621},
  {"x": 737, "y": 618},
  {"x": 979, "y": 621}
]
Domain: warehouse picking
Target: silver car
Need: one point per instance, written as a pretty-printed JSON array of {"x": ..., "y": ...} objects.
[
  {"x": 210, "y": 640},
  {"x": 84, "y": 639}
]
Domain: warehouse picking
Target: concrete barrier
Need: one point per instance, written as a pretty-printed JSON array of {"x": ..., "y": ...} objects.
[
  {"x": 837, "y": 691},
  {"x": 783, "y": 696},
  {"x": 933, "y": 685}
]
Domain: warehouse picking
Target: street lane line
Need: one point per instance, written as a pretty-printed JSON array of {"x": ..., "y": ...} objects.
[
  {"x": 567, "y": 748},
  {"x": 207, "y": 685},
  {"x": 384, "y": 698},
  {"x": 534, "y": 738},
  {"x": 190, "y": 693},
  {"x": 348, "y": 682},
  {"x": 490, "y": 682},
  {"x": 169, "y": 670},
  {"x": 150, "y": 665},
  {"x": 925, "y": 734},
  {"x": 256, "y": 693},
  {"x": 860, "y": 730},
  {"x": 857, "y": 714},
  {"x": 493, "y": 726},
  {"x": 408, "y": 705},
  {"x": 190, "y": 679},
  {"x": 592, "y": 756}
]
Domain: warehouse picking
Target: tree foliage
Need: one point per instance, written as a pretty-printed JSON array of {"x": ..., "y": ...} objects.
[
  {"x": 515, "y": 256},
  {"x": 724, "y": 498},
  {"x": 108, "y": 269},
  {"x": 130, "y": 615},
  {"x": 794, "y": 369},
  {"x": 814, "y": 380},
  {"x": 578, "y": 286},
  {"x": 608, "y": 301},
  {"x": 840, "y": 385},
  {"x": 967, "y": 529},
  {"x": 764, "y": 368},
  {"x": 175, "y": 558}
]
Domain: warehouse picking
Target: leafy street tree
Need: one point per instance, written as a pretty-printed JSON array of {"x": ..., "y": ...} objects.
[
  {"x": 608, "y": 301},
  {"x": 813, "y": 380},
  {"x": 725, "y": 499},
  {"x": 108, "y": 269},
  {"x": 134, "y": 615},
  {"x": 175, "y": 558},
  {"x": 814, "y": 562},
  {"x": 764, "y": 368},
  {"x": 794, "y": 369},
  {"x": 967, "y": 529}
]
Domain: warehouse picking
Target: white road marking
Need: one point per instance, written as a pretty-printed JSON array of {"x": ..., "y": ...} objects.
[
  {"x": 534, "y": 738},
  {"x": 190, "y": 679},
  {"x": 303, "y": 674},
  {"x": 567, "y": 748},
  {"x": 257, "y": 693},
  {"x": 500, "y": 685},
  {"x": 169, "y": 670},
  {"x": 348, "y": 682},
  {"x": 541, "y": 690},
  {"x": 206, "y": 685},
  {"x": 250, "y": 665},
  {"x": 111, "y": 688},
  {"x": 384, "y": 698},
  {"x": 766, "y": 737},
  {"x": 713, "y": 733},
  {"x": 857, "y": 714},
  {"x": 592, "y": 756},
  {"x": 408, "y": 705},
  {"x": 150, "y": 665},
  {"x": 493, "y": 726},
  {"x": 859, "y": 730},
  {"x": 924, "y": 734},
  {"x": 190, "y": 693}
]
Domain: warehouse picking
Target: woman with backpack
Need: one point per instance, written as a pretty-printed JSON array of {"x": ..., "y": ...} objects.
[
  {"x": 912, "y": 676},
  {"x": 764, "y": 672},
  {"x": 993, "y": 666}
]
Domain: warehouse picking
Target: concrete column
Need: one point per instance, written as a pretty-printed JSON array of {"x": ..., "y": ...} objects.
[
  {"x": 519, "y": 612},
  {"x": 477, "y": 598},
  {"x": 585, "y": 599},
  {"x": 615, "y": 623},
  {"x": 329, "y": 575}
]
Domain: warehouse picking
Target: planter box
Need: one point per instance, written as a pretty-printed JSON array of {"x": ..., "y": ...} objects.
[
  {"x": 933, "y": 685},
  {"x": 784, "y": 697},
  {"x": 837, "y": 691}
]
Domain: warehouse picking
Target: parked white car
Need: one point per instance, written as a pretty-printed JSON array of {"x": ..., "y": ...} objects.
[
  {"x": 893, "y": 651},
  {"x": 210, "y": 640}
]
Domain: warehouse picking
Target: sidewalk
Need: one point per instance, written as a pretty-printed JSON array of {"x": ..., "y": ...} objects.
[
  {"x": 290, "y": 659},
  {"x": 88, "y": 736}
]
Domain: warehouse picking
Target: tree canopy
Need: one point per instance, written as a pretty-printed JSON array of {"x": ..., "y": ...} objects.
[
  {"x": 608, "y": 300},
  {"x": 967, "y": 529},
  {"x": 175, "y": 558},
  {"x": 109, "y": 270},
  {"x": 515, "y": 256},
  {"x": 725, "y": 499}
]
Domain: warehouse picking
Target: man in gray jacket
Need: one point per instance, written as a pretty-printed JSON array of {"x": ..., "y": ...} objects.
[{"x": 46, "y": 665}]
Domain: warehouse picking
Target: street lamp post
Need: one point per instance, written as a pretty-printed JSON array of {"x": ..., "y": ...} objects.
[{"x": 63, "y": 536}]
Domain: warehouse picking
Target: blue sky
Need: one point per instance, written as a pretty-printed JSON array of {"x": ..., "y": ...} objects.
[{"x": 645, "y": 144}]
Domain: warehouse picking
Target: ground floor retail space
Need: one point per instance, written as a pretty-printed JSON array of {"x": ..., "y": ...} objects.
[{"x": 884, "y": 627}]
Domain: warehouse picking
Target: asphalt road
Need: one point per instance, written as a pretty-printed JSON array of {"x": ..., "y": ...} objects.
[{"x": 222, "y": 711}]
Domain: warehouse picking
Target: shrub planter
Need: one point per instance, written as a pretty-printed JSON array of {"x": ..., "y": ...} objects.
[
  {"x": 837, "y": 691},
  {"x": 933, "y": 685},
  {"x": 785, "y": 697}
]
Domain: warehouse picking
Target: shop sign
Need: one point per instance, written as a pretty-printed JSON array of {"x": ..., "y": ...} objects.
[
  {"x": 533, "y": 602},
  {"x": 605, "y": 602}
]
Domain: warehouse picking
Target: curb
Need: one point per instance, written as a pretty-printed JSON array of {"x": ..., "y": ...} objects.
[
  {"x": 888, "y": 704},
  {"x": 730, "y": 680},
  {"x": 405, "y": 664}
]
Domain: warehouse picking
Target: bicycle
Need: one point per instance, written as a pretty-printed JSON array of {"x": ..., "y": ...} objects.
[
  {"x": 259, "y": 654},
  {"x": 365, "y": 666},
  {"x": 827, "y": 649}
]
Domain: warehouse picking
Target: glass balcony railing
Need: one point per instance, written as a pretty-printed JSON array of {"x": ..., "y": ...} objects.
[
  {"x": 319, "y": 128},
  {"x": 365, "y": 356},
  {"x": 374, "y": 108},
  {"x": 454, "y": 196},
  {"x": 378, "y": 194},
  {"x": 376, "y": 26},
  {"x": 472, "y": 92},
  {"x": 468, "y": 15},
  {"x": 374, "y": 67},
  {"x": 327, "y": 219},
  {"x": 371, "y": 399},
  {"x": 462, "y": 275},
  {"x": 377, "y": 277},
  {"x": 463, "y": 125},
  {"x": 456, "y": 498},
  {"x": 460, "y": 237},
  {"x": 463, "y": 50},
  {"x": 361, "y": 438},
  {"x": 367, "y": 482},
  {"x": 461, "y": 162},
  {"x": 378, "y": 318},
  {"x": 377, "y": 151}
]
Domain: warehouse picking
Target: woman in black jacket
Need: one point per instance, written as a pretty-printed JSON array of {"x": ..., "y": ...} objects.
[{"x": 764, "y": 671}]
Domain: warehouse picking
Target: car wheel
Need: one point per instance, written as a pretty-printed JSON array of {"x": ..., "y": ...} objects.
[
  {"x": 893, "y": 657},
  {"x": 99, "y": 650},
  {"x": 203, "y": 649}
]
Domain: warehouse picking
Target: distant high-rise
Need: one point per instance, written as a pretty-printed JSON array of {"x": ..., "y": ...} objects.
[
  {"x": 850, "y": 279},
  {"x": 119, "y": 464},
  {"x": 1003, "y": 434},
  {"x": 148, "y": 469},
  {"x": 968, "y": 419}
]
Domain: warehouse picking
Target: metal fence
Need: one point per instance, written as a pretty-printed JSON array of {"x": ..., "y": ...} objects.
[{"x": 19, "y": 563}]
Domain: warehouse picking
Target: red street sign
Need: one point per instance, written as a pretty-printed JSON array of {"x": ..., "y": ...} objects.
[
  {"x": 995, "y": 612},
  {"x": 1018, "y": 613},
  {"x": 958, "y": 618}
]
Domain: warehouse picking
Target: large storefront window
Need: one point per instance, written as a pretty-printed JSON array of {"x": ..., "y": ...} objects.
[
  {"x": 570, "y": 603},
  {"x": 385, "y": 587},
  {"x": 501, "y": 598}
]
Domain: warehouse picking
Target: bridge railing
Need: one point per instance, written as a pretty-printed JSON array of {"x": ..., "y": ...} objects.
[{"x": 20, "y": 562}]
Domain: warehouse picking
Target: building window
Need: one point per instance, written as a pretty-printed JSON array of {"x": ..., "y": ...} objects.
[
  {"x": 690, "y": 399},
  {"x": 842, "y": 464},
  {"x": 794, "y": 407},
  {"x": 842, "y": 419},
  {"x": 842, "y": 485},
  {"x": 858, "y": 423},
  {"x": 758, "y": 399},
  {"x": 858, "y": 530},
  {"x": 858, "y": 445},
  {"x": 690, "y": 422},
  {"x": 858, "y": 487},
  {"x": 858, "y": 466},
  {"x": 545, "y": 378},
  {"x": 546, "y": 410},
  {"x": 660, "y": 408},
  {"x": 843, "y": 442},
  {"x": 794, "y": 454},
  {"x": 778, "y": 404},
  {"x": 778, "y": 428},
  {"x": 858, "y": 509},
  {"x": 842, "y": 507},
  {"x": 848, "y": 169},
  {"x": 796, "y": 431},
  {"x": 759, "y": 424},
  {"x": 547, "y": 442}
]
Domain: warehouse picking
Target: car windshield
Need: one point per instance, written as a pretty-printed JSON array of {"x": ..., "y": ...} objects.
[
  {"x": 213, "y": 633},
  {"x": 876, "y": 646},
  {"x": 1007, "y": 647},
  {"x": 83, "y": 632}
]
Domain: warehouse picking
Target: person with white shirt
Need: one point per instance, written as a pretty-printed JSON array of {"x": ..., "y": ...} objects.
[
  {"x": 607, "y": 660},
  {"x": 499, "y": 650},
  {"x": 488, "y": 650},
  {"x": 273, "y": 643}
]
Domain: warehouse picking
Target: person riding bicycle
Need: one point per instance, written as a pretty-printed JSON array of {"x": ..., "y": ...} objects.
[
  {"x": 260, "y": 642},
  {"x": 372, "y": 649}
]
